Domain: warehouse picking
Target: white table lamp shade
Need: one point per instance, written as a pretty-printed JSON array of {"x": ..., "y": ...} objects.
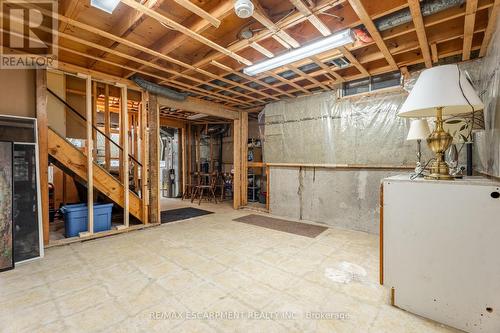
[
  {"x": 419, "y": 130},
  {"x": 440, "y": 87}
]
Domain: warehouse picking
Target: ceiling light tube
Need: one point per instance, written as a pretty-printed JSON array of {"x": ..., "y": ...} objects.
[
  {"x": 105, "y": 5},
  {"x": 336, "y": 40}
]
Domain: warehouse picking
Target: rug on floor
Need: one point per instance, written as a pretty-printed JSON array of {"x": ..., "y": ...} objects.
[
  {"x": 292, "y": 227},
  {"x": 182, "y": 214}
]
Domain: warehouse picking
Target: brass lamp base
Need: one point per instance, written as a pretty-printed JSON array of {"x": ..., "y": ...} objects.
[{"x": 439, "y": 141}]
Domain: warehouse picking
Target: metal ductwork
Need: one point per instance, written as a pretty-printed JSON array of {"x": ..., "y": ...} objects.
[
  {"x": 403, "y": 16},
  {"x": 214, "y": 130},
  {"x": 159, "y": 90}
]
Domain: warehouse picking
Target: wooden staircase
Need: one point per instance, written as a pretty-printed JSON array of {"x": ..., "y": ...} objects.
[{"x": 76, "y": 161}]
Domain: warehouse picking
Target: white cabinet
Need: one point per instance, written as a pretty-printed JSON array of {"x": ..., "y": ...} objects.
[{"x": 441, "y": 250}]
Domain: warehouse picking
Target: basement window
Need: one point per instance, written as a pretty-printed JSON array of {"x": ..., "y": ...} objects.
[{"x": 372, "y": 83}]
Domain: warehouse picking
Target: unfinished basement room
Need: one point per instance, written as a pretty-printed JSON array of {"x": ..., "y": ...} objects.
[{"x": 250, "y": 166}]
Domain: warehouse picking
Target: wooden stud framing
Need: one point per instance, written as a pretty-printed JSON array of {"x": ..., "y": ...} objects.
[
  {"x": 124, "y": 130},
  {"x": 90, "y": 155},
  {"x": 200, "y": 75},
  {"x": 42, "y": 123}
]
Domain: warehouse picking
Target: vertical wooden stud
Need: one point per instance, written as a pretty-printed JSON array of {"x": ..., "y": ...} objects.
[
  {"x": 144, "y": 159},
  {"x": 154, "y": 158},
  {"x": 237, "y": 163},
  {"x": 125, "y": 158},
  {"x": 244, "y": 158},
  {"x": 90, "y": 153},
  {"x": 184, "y": 159},
  {"x": 107, "y": 128},
  {"x": 43, "y": 155}
]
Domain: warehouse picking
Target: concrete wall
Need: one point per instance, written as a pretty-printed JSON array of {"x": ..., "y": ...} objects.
[
  {"x": 17, "y": 92},
  {"x": 341, "y": 198}
]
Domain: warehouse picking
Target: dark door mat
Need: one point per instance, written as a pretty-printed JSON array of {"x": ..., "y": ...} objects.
[
  {"x": 296, "y": 228},
  {"x": 182, "y": 214}
]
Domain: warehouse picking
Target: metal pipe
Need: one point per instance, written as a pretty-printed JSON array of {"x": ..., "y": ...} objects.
[
  {"x": 403, "y": 16},
  {"x": 159, "y": 90}
]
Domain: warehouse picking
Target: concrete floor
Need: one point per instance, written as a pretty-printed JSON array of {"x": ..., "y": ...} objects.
[{"x": 161, "y": 278}]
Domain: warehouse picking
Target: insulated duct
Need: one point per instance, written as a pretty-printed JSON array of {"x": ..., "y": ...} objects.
[
  {"x": 403, "y": 16},
  {"x": 159, "y": 90}
]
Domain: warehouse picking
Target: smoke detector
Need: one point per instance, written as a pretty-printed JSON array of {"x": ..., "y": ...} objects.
[{"x": 243, "y": 8}]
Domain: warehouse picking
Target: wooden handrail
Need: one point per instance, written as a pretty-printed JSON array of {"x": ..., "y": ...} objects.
[{"x": 94, "y": 127}]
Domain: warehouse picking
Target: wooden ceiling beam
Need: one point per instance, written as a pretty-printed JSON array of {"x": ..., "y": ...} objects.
[
  {"x": 352, "y": 59},
  {"x": 308, "y": 77},
  {"x": 311, "y": 17},
  {"x": 143, "y": 49},
  {"x": 138, "y": 60},
  {"x": 261, "y": 16},
  {"x": 360, "y": 10},
  {"x": 434, "y": 53},
  {"x": 201, "y": 106},
  {"x": 179, "y": 27},
  {"x": 418, "y": 22},
  {"x": 199, "y": 11},
  {"x": 490, "y": 29},
  {"x": 127, "y": 24},
  {"x": 166, "y": 44},
  {"x": 470, "y": 18}
]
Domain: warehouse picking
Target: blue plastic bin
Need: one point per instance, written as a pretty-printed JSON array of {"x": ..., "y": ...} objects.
[{"x": 76, "y": 218}]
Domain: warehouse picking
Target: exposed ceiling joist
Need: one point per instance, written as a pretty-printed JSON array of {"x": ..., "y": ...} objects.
[
  {"x": 179, "y": 27},
  {"x": 490, "y": 29},
  {"x": 418, "y": 22},
  {"x": 318, "y": 24},
  {"x": 199, "y": 11},
  {"x": 363, "y": 15},
  {"x": 470, "y": 19}
]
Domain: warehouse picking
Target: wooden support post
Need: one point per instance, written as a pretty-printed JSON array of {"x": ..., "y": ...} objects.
[
  {"x": 90, "y": 153},
  {"x": 107, "y": 128},
  {"x": 125, "y": 159},
  {"x": 197, "y": 143},
  {"x": 184, "y": 159},
  {"x": 154, "y": 158},
  {"x": 94, "y": 119},
  {"x": 144, "y": 159},
  {"x": 189, "y": 157},
  {"x": 244, "y": 158},
  {"x": 237, "y": 163},
  {"x": 43, "y": 155}
]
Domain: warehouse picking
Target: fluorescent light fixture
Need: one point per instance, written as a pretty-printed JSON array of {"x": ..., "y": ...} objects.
[
  {"x": 105, "y": 5},
  {"x": 325, "y": 44},
  {"x": 197, "y": 116}
]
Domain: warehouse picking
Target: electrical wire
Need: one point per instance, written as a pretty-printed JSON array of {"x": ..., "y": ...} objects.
[{"x": 414, "y": 176}]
